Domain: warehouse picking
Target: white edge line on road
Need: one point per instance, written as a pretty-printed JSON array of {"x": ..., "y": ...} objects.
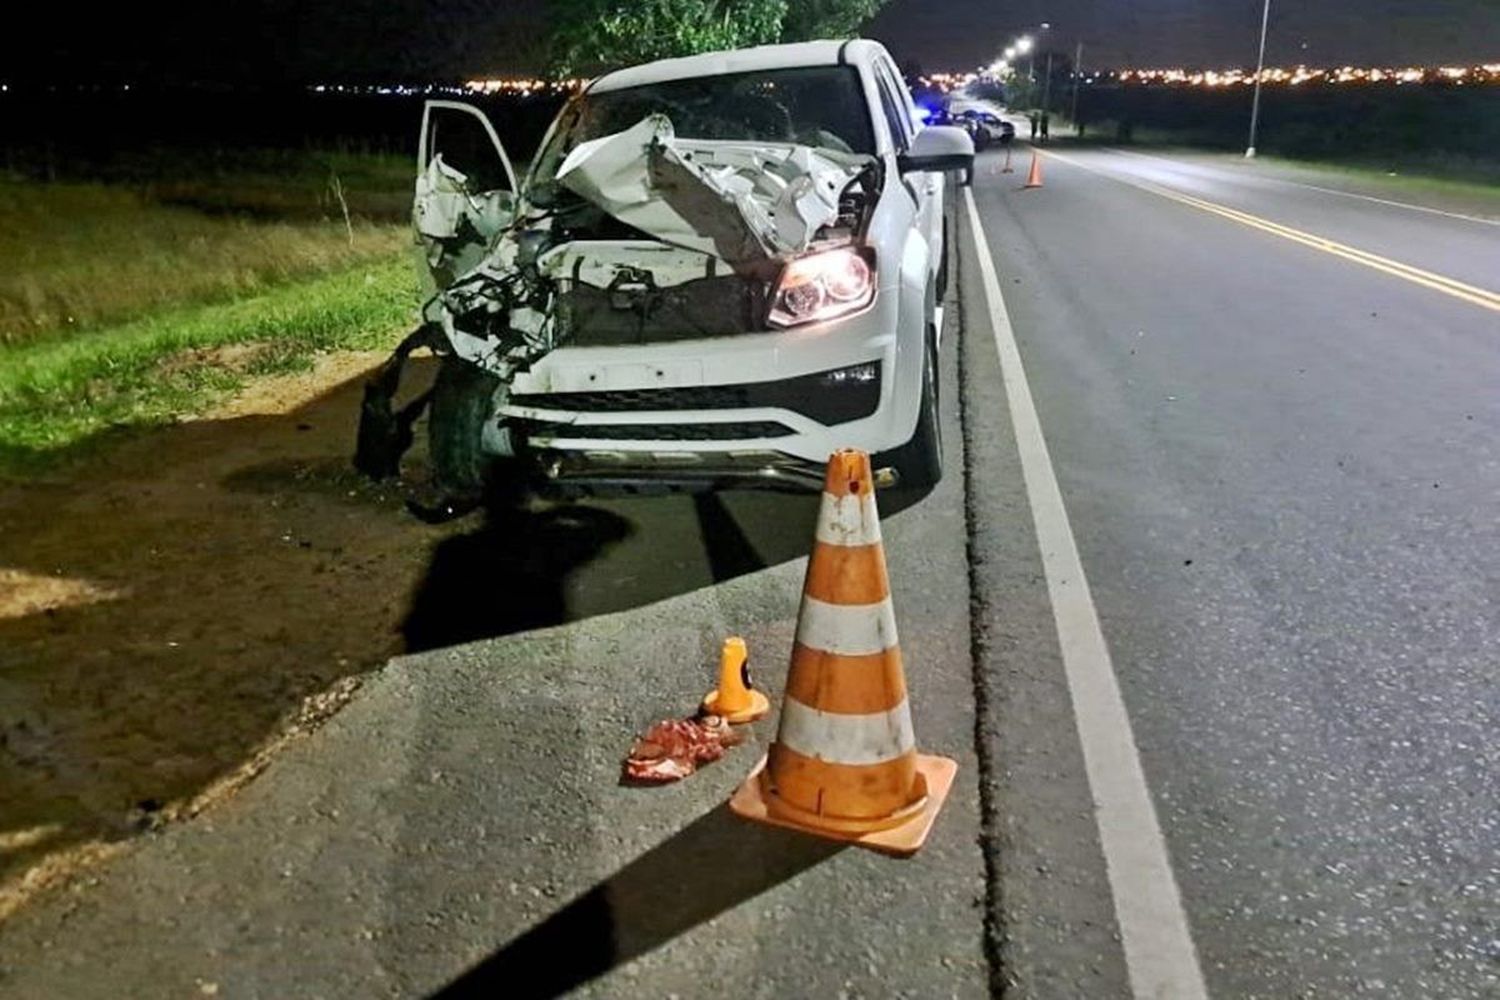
[
  {"x": 1313, "y": 187},
  {"x": 1159, "y": 952}
]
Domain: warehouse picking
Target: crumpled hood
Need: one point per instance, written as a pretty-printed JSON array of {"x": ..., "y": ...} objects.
[{"x": 739, "y": 201}]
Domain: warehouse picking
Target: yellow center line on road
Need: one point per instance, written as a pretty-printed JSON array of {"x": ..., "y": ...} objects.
[{"x": 1481, "y": 297}]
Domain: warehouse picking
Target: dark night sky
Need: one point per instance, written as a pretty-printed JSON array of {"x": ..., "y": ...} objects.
[
  {"x": 1200, "y": 32},
  {"x": 302, "y": 40}
]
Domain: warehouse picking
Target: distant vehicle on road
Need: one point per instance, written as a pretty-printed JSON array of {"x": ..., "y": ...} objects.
[
  {"x": 719, "y": 270},
  {"x": 985, "y": 127}
]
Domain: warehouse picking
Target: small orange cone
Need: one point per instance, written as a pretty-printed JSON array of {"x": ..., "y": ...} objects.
[
  {"x": 845, "y": 764},
  {"x": 734, "y": 699},
  {"x": 1034, "y": 179}
]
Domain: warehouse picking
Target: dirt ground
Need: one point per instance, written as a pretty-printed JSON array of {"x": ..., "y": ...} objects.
[{"x": 181, "y": 601}]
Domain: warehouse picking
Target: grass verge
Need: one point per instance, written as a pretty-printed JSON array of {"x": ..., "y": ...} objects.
[
  {"x": 76, "y": 256},
  {"x": 1418, "y": 177},
  {"x": 57, "y": 394}
]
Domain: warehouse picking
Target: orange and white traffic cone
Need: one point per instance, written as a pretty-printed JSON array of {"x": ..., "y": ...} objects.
[
  {"x": 844, "y": 764},
  {"x": 735, "y": 699},
  {"x": 1034, "y": 179}
]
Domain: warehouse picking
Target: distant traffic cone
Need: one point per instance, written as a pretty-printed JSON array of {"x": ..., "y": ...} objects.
[
  {"x": 734, "y": 699},
  {"x": 1034, "y": 179},
  {"x": 845, "y": 764}
]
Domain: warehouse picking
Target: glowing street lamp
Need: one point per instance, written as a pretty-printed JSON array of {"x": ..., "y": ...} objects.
[
  {"x": 1024, "y": 45},
  {"x": 1010, "y": 53}
]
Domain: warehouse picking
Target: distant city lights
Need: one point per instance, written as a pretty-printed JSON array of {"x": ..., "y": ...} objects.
[
  {"x": 1488, "y": 73},
  {"x": 524, "y": 86},
  {"x": 513, "y": 86},
  {"x": 945, "y": 82},
  {"x": 1003, "y": 68}
]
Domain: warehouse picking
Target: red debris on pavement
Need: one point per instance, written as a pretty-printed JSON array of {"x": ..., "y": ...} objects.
[{"x": 673, "y": 748}]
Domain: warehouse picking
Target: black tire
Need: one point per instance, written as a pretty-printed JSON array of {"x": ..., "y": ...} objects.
[
  {"x": 462, "y": 400},
  {"x": 919, "y": 462}
]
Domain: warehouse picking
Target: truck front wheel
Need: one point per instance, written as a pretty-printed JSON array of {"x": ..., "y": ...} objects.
[
  {"x": 919, "y": 462},
  {"x": 463, "y": 398}
]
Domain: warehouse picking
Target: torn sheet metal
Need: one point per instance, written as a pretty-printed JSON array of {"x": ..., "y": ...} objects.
[
  {"x": 599, "y": 262},
  {"x": 498, "y": 315},
  {"x": 739, "y": 202},
  {"x": 456, "y": 226},
  {"x": 711, "y": 214}
]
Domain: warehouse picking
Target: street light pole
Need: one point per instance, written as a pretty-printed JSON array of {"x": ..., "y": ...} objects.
[
  {"x": 1047, "y": 86},
  {"x": 1077, "y": 75},
  {"x": 1260, "y": 65}
]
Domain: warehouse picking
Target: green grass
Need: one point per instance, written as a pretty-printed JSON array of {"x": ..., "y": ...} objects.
[
  {"x": 57, "y": 393},
  {"x": 282, "y": 185},
  {"x": 1459, "y": 180},
  {"x": 140, "y": 289},
  {"x": 79, "y": 256}
]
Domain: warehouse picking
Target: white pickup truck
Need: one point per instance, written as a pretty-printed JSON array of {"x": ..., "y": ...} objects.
[{"x": 719, "y": 270}]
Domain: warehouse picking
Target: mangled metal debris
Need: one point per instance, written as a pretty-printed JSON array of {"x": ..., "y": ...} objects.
[
  {"x": 457, "y": 225},
  {"x": 650, "y": 235},
  {"x": 740, "y": 203}
]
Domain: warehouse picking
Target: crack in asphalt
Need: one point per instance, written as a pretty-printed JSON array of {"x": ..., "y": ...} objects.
[{"x": 994, "y": 933}]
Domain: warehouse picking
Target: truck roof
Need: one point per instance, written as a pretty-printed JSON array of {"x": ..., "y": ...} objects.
[{"x": 762, "y": 57}]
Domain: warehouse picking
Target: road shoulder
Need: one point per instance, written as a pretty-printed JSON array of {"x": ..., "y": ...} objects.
[{"x": 1050, "y": 903}]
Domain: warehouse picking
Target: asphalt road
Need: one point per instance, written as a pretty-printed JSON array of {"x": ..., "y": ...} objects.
[
  {"x": 1282, "y": 467},
  {"x": 1272, "y": 418}
]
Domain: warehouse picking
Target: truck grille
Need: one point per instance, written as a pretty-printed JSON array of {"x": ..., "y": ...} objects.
[
  {"x": 747, "y": 430},
  {"x": 830, "y": 397}
]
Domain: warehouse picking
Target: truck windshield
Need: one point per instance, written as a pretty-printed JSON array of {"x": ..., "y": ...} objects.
[{"x": 820, "y": 106}]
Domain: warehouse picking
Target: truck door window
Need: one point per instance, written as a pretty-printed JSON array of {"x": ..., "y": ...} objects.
[
  {"x": 465, "y": 146},
  {"x": 895, "y": 114}
]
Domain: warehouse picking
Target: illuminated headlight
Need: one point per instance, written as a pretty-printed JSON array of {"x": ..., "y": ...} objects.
[{"x": 824, "y": 286}]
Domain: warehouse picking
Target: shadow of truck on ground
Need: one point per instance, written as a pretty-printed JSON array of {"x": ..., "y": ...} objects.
[{"x": 236, "y": 570}]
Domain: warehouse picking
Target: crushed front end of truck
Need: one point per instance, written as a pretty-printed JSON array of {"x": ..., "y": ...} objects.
[{"x": 639, "y": 236}]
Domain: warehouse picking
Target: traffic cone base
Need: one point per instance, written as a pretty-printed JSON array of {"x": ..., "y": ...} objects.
[
  {"x": 901, "y": 834},
  {"x": 1034, "y": 179},
  {"x": 844, "y": 764},
  {"x": 760, "y": 705},
  {"x": 734, "y": 700}
]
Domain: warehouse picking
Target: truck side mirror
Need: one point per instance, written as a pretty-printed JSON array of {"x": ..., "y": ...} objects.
[{"x": 938, "y": 149}]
